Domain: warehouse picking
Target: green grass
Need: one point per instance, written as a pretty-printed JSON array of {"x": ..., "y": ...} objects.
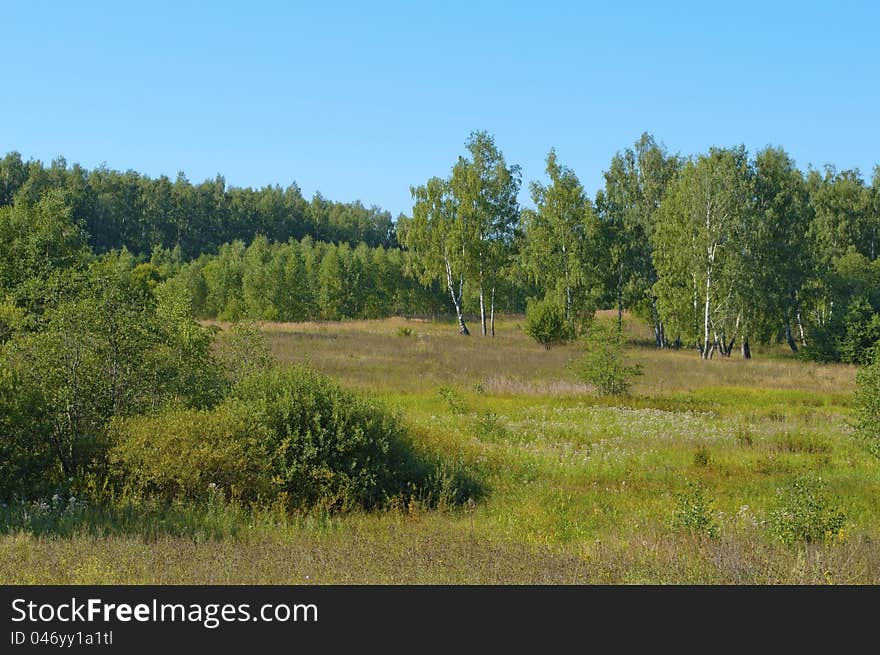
[{"x": 579, "y": 488}]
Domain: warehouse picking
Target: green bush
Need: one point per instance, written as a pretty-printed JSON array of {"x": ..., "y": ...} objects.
[
  {"x": 329, "y": 447},
  {"x": 693, "y": 512},
  {"x": 546, "y": 323},
  {"x": 243, "y": 350},
  {"x": 851, "y": 337},
  {"x": 188, "y": 454},
  {"x": 804, "y": 512},
  {"x": 286, "y": 437},
  {"x": 603, "y": 363},
  {"x": 862, "y": 333},
  {"x": 868, "y": 405},
  {"x": 702, "y": 458},
  {"x": 453, "y": 400},
  {"x": 28, "y": 463},
  {"x": 490, "y": 427}
]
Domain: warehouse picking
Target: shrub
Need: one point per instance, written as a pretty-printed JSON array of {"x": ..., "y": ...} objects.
[
  {"x": 184, "y": 454},
  {"x": 490, "y": 427},
  {"x": 868, "y": 405},
  {"x": 702, "y": 458},
  {"x": 850, "y": 337},
  {"x": 243, "y": 351},
  {"x": 603, "y": 363},
  {"x": 693, "y": 512},
  {"x": 453, "y": 400},
  {"x": 28, "y": 463},
  {"x": 862, "y": 325},
  {"x": 804, "y": 512},
  {"x": 329, "y": 447},
  {"x": 404, "y": 331},
  {"x": 106, "y": 348},
  {"x": 285, "y": 437},
  {"x": 546, "y": 323}
]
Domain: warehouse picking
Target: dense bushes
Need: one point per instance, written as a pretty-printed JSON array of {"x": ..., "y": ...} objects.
[
  {"x": 603, "y": 363},
  {"x": 868, "y": 404},
  {"x": 850, "y": 337},
  {"x": 285, "y": 436},
  {"x": 182, "y": 453},
  {"x": 546, "y": 323},
  {"x": 28, "y": 462},
  {"x": 110, "y": 384},
  {"x": 804, "y": 512},
  {"x": 105, "y": 346},
  {"x": 329, "y": 446}
]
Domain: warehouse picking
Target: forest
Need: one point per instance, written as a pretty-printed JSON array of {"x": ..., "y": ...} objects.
[
  {"x": 204, "y": 356},
  {"x": 718, "y": 251}
]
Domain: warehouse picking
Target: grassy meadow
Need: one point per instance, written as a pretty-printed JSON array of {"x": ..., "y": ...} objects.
[{"x": 686, "y": 480}]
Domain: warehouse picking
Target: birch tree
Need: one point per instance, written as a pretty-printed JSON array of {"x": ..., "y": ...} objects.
[
  {"x": 436, "y": 234},
  {"x": 697, "y": 244},
  {"x": 783, "y": 259},
  {"x": 635, "y": 184},
  {"x": 559, "y": 249},
  {"x": 485, "y": 190}
]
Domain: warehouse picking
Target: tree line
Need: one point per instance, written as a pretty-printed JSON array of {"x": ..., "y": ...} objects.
[
  {"x": 717, "y": 251},
  {"x": 133, "y": 211},
  {"x": 304, "y": 280}
]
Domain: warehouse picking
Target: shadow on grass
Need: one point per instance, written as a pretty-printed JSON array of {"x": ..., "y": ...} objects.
[{"x": 440, "y": 485}]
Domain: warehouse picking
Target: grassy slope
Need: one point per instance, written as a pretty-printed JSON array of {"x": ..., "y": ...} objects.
[{"x": 580, "y": 489}]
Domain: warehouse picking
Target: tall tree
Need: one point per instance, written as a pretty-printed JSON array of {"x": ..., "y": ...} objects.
[
  {"x": 38, "y": 239},
  {"x": 437, "y": 236},
  {"x": 635, "y": 184},
  {"x": 485, "y": 190},
  {"x": 841, "y": 202},
  {"x": 13, "y": 174},
  {"x": 842, "y": 222},
  {"x": 782, "y": 254},
  {"x": 559, "y": 250},
  {"x": 697, "y": 246}
]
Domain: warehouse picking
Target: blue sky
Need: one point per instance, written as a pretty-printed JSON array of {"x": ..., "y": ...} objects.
[{"x": 362, "y": 100}]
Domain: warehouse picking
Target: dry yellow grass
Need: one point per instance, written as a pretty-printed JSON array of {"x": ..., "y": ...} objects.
[{"x": 369, "y": 354}]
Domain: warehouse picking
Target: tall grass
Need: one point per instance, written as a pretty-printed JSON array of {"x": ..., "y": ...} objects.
[{"x": 578, "y": 488}]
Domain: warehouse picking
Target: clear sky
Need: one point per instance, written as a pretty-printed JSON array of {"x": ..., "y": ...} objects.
[{"x": 362, "y": 100}]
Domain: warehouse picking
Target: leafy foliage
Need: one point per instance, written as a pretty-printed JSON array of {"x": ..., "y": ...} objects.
[
  {"x": 330, "y": 447},
  {"x": 107, "y": 348},
  {"x": 546, "y": 323},
  {"x": 805, "y": 512},
  {"x": 185, "y": 454},
  {"x": 694, "y": 513},
  {"x": 868, "y": 404},
  {"x": 603, "y": 362},
  {"x": 28, "y": 461},
  {"x": 560, "y": 249},
  {"x": 244, "y": 351},
  {"x": 298, "y": 281}
]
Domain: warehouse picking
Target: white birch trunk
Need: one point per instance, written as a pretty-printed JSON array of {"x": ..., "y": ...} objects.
[
  {"x": 456, "y": 299},
  {"x": 482, "y": 312},
  {"x": 492, "y": 313}
]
